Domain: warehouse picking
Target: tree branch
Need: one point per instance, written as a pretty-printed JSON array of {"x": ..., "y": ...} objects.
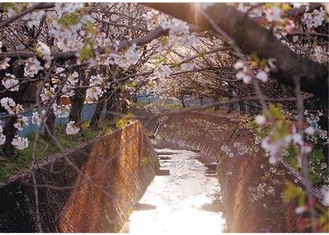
[
  {"x": 62, "y": 56},
  {"x": 253, "y": 38},
  {"x": 23, "y": 13}
]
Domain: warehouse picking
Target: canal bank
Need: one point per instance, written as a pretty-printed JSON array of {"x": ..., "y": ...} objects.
[{"x": 90, "y": 189}]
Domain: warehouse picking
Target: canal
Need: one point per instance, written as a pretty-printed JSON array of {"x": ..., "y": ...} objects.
[{"x": 183, "y": 197}]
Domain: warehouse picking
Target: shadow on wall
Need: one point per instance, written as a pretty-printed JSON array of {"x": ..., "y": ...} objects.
[{"x": 91, "y": 189}]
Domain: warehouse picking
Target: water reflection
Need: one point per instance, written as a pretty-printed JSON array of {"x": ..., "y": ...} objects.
[{"x": 184, "y": 199}]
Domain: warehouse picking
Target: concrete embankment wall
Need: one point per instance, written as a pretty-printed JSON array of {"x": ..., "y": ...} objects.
[
  {"x": 89, "y": 189},
  {"x": 252, "y": 189}
]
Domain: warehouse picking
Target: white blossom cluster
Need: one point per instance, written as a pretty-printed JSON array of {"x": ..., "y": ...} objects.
[
  {"x": 47, "y": 93},
  {"x": 71, "y": 128},
  {"x": 246, "y": 74},
  {"x": 4, "y": 63},
  {"x": 37, "y": 117},
  {"x": 61, "y": 111},
  {"x": 274, "y": 146},
  {"x": 10, "y": 82},
  {"x": 162, "y": 71},
  {"x": 70, "y": 84},
  {"x": 20, "y": 142},
  {"x": 320, "y": 54},
  {"x": 127, "y": 59},
  {"x": 315, "y": 18},
  {"x": 33, "y": 18},
  {"x": 69, "y": 37},
  {"x": 32, "y": 67},
  {"x": 98, "y": 85},
  {"x": 10, "y": 106},
  {"x": 63, "y": 8},
  {"x": 44, "y": 50},
  {"x": 153, "y": 19},
  {"x": 21, "y": 122}
]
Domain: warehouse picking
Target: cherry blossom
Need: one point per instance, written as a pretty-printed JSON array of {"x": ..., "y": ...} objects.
[
  {"x": 94, "y": 93},
  {"x": 71, "y": 128},
  {"x": 4, "y": 63},
  {"x": 33, "y": 18},
  {"x": 61, "y": 111},
  {"x": 44, "y": 50},
  {"x": 11, "y": 107},
  {"x": 309, "y": 130},
  {"x": 162, "y": 71},
  {"x": 262, "y": 76},
  {"x": 130, "y": 57},
  {"x": 10, "y": 82},
  {"x": 36, "y": 117},
  {"x": 21, "y": 123},
  {"x": 315, "y": 18},
  {"x": 32, "y": 67},
  {"x": 72, "y": 82},
  {"x": 47, "y": 93},
  {"x": 20, "y": 142}
]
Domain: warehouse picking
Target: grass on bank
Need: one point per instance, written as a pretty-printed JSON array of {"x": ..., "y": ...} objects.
[{"x": 21, "y": 161}]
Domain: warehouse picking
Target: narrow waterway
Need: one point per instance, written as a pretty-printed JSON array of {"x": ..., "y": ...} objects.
[{"x": 183, "y": 197}]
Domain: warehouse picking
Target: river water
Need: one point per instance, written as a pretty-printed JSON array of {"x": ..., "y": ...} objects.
[{"x": 183, "y": 198}]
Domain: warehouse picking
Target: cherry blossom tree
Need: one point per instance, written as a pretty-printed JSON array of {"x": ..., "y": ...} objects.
[{"x": 100, "y": 52}]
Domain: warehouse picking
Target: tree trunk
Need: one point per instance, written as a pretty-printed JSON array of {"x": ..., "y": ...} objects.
[
  {"x": 97, "y": 114},
  {"x": 50, "y": 125},
  {"x": 182, "y": 101},
  {"x": 78, "y": 99},
  {"x": 77, "y": 102}
]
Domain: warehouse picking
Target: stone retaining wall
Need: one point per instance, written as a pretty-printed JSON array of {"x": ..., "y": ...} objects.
[{"x": 90, "y": 189}]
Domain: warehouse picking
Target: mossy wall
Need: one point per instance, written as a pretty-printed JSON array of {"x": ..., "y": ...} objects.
[{"x": 89, "y": 189}]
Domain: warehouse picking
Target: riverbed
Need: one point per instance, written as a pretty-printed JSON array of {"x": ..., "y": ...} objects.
[{"x": 184, "y": 197}]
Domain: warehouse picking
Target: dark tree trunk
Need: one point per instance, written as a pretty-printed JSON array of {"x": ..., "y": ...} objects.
[
  {"x": 97, "y": 114},
  {"x": 201, "y": 101},
  {"x": 77, "y": 102},
  {"x": 182, "y": 101},
  {"x": 78, "y": 99},
  {"x": 50, "y": 125},
  {"x": 9, "y": 131}
]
